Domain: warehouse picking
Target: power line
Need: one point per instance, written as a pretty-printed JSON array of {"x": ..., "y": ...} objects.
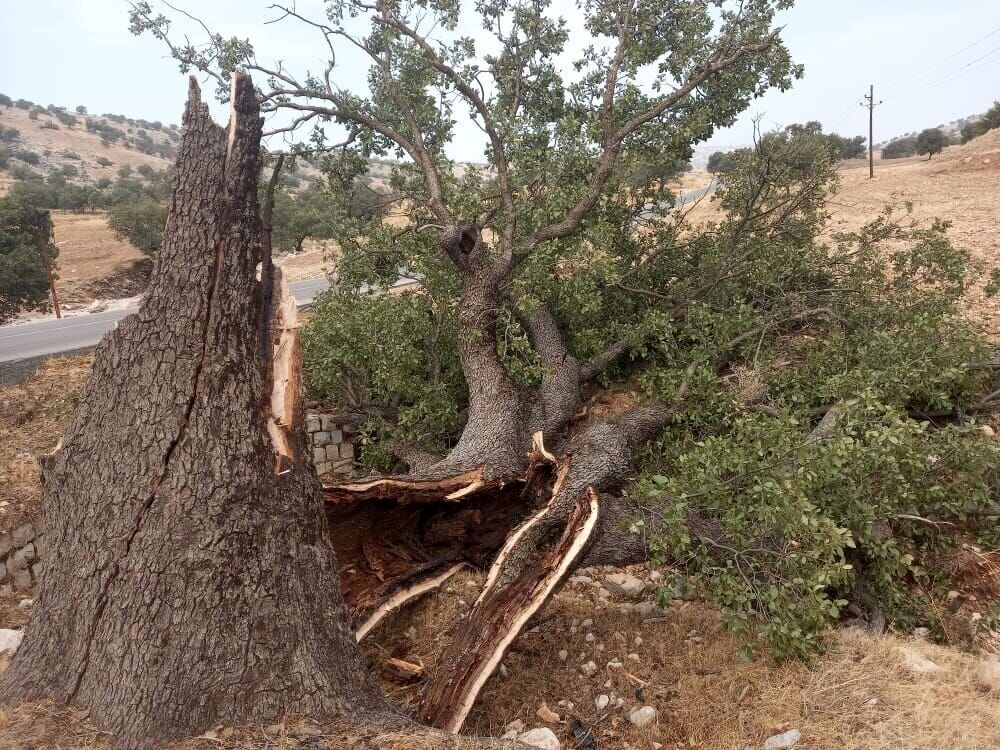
[
  {"x": 951, "y": 75},
  {"x": 936, "y": 65}
]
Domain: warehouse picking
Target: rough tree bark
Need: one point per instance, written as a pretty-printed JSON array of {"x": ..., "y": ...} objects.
[{"x": 190, "y": 580}]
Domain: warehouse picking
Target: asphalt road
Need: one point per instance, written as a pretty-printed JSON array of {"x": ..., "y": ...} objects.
[{"x": 30, "y": 340}]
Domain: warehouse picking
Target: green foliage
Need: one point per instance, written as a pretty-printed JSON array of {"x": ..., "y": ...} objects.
[
  {"x": 24, "y": 283},
  {"x": 103, "y": 161},
  {"x": 28, "y": 157},
  {"x": 386, "y": 360},
  {"x": 900, "y": 148},
  {"x": 775, "y": 527},
  {"x": 314, "y": 212},
  {"x": 720, "y": 162},
  {"x": 931, "y": 141},
  {"x": 9, "y": 134},
  {"x": 137, "y": 210},
  {"x": 986, "y": 123}
]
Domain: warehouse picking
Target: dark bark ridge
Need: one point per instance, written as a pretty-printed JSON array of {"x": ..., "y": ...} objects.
[{"x": 190, "y": 583}]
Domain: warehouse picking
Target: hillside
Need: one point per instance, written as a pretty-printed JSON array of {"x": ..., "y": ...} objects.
[{"x": 87, "y": 145}]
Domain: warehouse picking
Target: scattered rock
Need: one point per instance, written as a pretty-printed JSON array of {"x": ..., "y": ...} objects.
[
  {"x": 625, "y": 584},
  {"x": 516, "y": 726},
  {"x": 583, "y": 580},
  {"x": 10, "y": 640},
  {"x": 563, "y": 655},
  {"x": 987, "y": 430},
  {"x": 916, "y": 662},
  {"x": 783, "y": 741},
  {"x": 988, "y": 672},
  {"x": 602, "y": 702},
  {"x": 922, "y": 633},
  {"x": 25, "y": 603},
  {"x": 638, "y": 641},
  {"x": 588, "y": 623},
  {"x": 590, "y": 638},
  {"x": 642, "y": 717},
  {"x": 633, "y": 657},
  {"x": 547, "y": 715},
  {"x": 307, "y": 730},
  {"x": 655, "y": 576},
  {"x": 542, "y": 738}
]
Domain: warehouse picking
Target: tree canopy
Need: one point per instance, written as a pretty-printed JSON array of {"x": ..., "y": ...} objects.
[
  {"x": 931, "y": 141},
  {"x": 24, "y": 283}
]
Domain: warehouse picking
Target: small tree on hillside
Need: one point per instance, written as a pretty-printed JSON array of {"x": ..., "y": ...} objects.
[
  {"x": 720, "y": 162},
  {"x": 931, "y": 141},
  {"x": 24, "y": 281}
]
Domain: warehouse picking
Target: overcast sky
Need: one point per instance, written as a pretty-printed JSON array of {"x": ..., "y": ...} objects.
[{"x": 931, "y": 61}]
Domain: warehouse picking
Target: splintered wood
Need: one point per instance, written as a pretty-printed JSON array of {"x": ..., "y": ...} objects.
[{"x": 286, "y": 369}]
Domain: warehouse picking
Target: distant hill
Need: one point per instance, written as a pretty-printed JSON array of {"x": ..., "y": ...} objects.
[{"x": 53, "y": 138}]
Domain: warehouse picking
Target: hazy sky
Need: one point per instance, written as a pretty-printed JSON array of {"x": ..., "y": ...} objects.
[{"x": 931, "y": 61}]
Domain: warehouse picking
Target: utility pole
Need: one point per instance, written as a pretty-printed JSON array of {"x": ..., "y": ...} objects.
[
  {"x": 43, "y": 249},
  {"x": 870, "y": 97}
]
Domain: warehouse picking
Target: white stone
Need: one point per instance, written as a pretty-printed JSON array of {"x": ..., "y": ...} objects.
[
  {"x": 590, "y": 638},
  {"x": 917, "y": 662},
  {"x": 516, "y": 726},
  {"x": 589, "y": 669},
  {"x": 655, "y": 576},
  {"x": 783, "y": 741},
  {"x": 633, "y": 657},
  {"x": 588, "y": 623},
  {"x": 542, "y": 738},
  {"x": 645, "y": 609},
  {"x": 511, "y": 735},
  {"x": 10, "y": 640},
  {"x": 624, "y": 583},
  {"x": 563, "y": 655},
  {"x": 988, "y": 672},
  {"x": 25, "y": 603},
  {"x": 602, "y": 702},
  {"x": 642, "y": 717},
  {"x": 614, "y": 664},
  {"x": 987, "y": 430}
]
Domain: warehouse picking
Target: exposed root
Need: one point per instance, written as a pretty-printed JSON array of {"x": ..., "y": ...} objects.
[{"x": 497, "y": 620}]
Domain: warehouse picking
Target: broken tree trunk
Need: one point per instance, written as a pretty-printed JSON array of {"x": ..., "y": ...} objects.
[{"x": 190, "y": 580}]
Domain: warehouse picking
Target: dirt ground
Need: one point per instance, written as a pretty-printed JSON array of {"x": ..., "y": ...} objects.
[{"x": 860, "y": 695}]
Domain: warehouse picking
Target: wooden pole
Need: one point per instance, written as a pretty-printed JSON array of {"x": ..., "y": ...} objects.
[{"x": 43, "y": 249}]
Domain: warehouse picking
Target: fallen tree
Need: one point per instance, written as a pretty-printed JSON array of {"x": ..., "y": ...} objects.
[{"x": 559, "y": 271}]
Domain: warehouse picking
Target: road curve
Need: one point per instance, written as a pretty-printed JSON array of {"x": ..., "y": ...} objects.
[{"x": 50, "y": 336}]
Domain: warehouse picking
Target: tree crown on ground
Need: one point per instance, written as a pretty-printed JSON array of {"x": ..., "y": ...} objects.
[
  {"x": 554, "y": 268},
  {"x": 931, "y": 141}
]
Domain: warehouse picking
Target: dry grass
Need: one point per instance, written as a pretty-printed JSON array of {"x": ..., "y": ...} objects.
[
  {"x": 32, "y": 417},
  {"x": 89, "y": 252},
  {"x": 859, "y": 695}
]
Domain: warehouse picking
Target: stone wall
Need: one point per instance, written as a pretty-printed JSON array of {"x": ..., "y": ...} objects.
[
  {"x": 20, "y": 553},
  {"x": 331, "y": 444}
]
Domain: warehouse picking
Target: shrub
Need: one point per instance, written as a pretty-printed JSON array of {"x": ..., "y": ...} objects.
[
  {"x": 931, "y": 141},
  {"x": 104, "y": 161},
  {"x": 28, "y": 157}
]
